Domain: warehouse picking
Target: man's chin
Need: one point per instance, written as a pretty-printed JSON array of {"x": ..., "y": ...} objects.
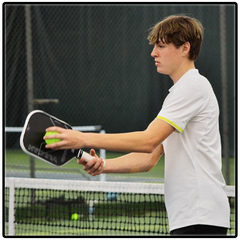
[{"x": 159, "y": 70}]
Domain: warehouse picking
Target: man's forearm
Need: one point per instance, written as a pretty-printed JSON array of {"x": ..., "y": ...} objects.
[
  {"x": 134, "y": 162},
  {"x": 144, "y": 141},
  {"x": 124, "y": 142}
]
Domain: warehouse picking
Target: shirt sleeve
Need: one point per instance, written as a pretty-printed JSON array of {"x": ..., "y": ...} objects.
[{"x": 182, "y": 104}]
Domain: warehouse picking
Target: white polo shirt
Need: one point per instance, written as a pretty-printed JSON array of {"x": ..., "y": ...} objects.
[{"x": 194, "y": 185}]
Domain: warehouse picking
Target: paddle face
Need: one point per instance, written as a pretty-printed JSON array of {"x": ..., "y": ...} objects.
[{"x": 32, "y": 143}]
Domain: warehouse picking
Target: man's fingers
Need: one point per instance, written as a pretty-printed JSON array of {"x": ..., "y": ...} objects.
[
  {"x": 81, "y": 161},
  {"x": 94, "y": 167},
  {"x": 55, "y": 129},
  {"x": 93, "y": 164},
  {"x": 93, "y": 153}
]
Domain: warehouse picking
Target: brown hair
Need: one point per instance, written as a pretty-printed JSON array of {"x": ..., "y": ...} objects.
[{"x": 179, "y": 29}]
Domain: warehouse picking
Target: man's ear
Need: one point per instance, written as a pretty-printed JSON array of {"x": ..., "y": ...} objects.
[{"x": 186, "y": 48}]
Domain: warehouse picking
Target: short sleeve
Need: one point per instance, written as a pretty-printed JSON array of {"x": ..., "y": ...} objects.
[{"x": 182, "y": 104}]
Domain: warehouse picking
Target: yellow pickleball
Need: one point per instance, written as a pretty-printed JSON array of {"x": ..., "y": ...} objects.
[
  {"x": 54, "y": 140},
  {"x": 75, "y": 216}
]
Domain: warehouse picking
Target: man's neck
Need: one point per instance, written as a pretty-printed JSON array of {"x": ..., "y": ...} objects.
[{"x": 182, "y": 70}]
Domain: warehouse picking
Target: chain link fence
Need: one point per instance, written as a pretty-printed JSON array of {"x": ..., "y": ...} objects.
[{"x": 93, "y": 62}]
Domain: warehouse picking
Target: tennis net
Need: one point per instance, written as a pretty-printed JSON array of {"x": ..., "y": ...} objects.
[{"x": 64, "y": 208}]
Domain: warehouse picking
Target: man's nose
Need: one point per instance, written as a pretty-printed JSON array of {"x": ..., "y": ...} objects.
[{"x": 153, "y": 53}]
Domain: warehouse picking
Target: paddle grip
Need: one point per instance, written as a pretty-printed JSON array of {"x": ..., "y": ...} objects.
[{"x": 86, "y": 156}]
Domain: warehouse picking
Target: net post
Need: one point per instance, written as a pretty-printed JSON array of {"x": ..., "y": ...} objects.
[
  {"x": 11, "y": 215},
  {"x": 103, "y": 156}
]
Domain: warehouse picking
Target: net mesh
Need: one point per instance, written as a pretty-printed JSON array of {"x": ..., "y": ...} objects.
[{"x": 75, "y": 208}]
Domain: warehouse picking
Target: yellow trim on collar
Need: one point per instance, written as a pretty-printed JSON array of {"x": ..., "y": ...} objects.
[{"x": 171, "y": 123}]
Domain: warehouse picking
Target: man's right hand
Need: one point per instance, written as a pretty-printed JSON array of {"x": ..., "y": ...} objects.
[{"x": 94, "y": 166}]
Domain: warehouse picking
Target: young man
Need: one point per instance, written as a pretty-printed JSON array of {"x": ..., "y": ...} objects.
[{"x": 187, "y": 126}]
